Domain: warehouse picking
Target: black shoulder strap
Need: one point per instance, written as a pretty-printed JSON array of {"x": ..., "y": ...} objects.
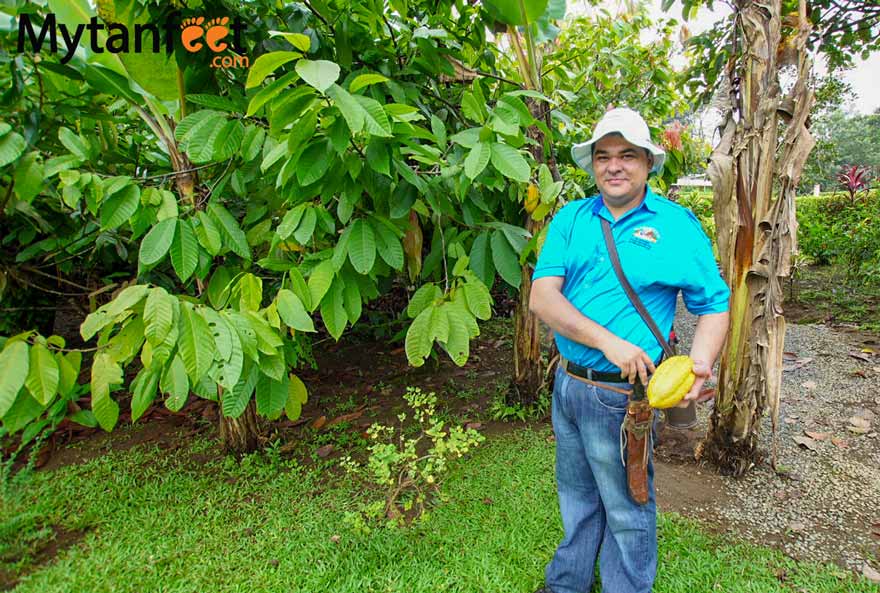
[{"x": 633, "y": 297}]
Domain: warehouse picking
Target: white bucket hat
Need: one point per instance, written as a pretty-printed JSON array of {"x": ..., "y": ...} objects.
[{"x": 628, "y": 124}]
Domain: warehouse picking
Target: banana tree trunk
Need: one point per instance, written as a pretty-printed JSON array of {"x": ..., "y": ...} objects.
[{"x": 754, "y": 180}]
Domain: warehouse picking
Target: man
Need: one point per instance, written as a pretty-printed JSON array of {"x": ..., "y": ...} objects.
[{"x": 663, "y": 250}]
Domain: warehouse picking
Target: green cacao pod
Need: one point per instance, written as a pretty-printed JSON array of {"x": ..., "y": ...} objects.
[{"x": 671, "y": 381}]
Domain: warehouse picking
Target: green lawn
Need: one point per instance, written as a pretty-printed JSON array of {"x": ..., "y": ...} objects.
[{"x": 167, "y": 521}]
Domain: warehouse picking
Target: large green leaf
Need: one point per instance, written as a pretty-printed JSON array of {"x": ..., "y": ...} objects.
[
  {"x": 318, "y": 73},
  {"x": 43, "y": 374},
  {"x": 265, "y": 65},
  {"x": 250, "y": 292},
  {"x": 389, "y": 246},
  {"x": 506, "y": 259},
  {"x": 112, "y": 83},
  {"x": 195, "y": 343},
  {"x": 477, "y": 159},
  {"x": 176, "y": 384},
  {"x": 158, "y": 315},
  {"x": 516, "y": 12},
  {"x": 418, "y": 344},
  {"x": 208, "y": 233},
  {"x": 363, "y": 80},
  {"x": 313, "y": 162},
  {"x": 156, "y": 73},
  {"x": 269, "y": 92},
  {"x": 24, "y": 410},
  {"x": 375, "y": 119},
  {"x": 293, "y": 312},
  {"x": 272, "y": 396},
  {"x": 184, "y": 250},
  {"x": 319, "y": 282},
  {"x": 234, "y": 237},
  {"x": 351, "y": 110},
  {"x": 29, "y": 177},
  {"x": 333, "y": 311},
  {"x": 143, "y": 392},
  {"x": 156, "y": 243},
  {"x": 422, "y": 299},
  {"x": 479, "y": 301},
  {"x": 106, "y": 373},
  {"x": 457, "y": 344},
  {"x": 480, "y": 259},
  {"x": 306, "y": 227},
  {"x": 14, "y": 367},
  {"x": 509, "y": 162},
  {"x": 236, "y": 400},
  {"x": 11, "y": 147},
  {"x": 362, "y": 247},
  {"x": 68, "y": 371},
  {"x": 297, "y": 395},
  {"x": 230, "y": 368},
  {"x": 352, "y": 301},
  {"x": 119, "y": 207}
]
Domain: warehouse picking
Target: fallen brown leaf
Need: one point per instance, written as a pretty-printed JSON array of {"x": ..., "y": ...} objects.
[
  {"x": 335, "y": 539},
  {"x": 473, "y": 426},
  {"x": 857, "y": 429},
  {"x": 319, "y": 422},
  {"x": 324, "y": 451},
  {"x": 819, "y": 436},
  {"x": 860, "y": 356},
  {"x": 839, "y": 443},
  {"x": 789, "y": 356},
  {"x": 345, "y": 418},
  {"x": 790, "y": 421},
  {"x": 860, "y": 422},
  {"x": 806, "y": 442}
]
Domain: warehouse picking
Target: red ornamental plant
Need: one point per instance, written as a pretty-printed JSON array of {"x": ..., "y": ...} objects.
[{"x": 854, "y": 179}]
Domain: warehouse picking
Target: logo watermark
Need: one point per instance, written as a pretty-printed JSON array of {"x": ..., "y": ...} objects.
[{"x": 194, "y": 33}]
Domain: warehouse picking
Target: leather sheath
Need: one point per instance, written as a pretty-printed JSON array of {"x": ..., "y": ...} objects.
[{"x": 637, "y": 424}]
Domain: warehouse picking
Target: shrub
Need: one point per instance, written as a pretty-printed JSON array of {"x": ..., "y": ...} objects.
[
  {"x": 409, "y": 462},
  {"x": 835, "y": 230}
]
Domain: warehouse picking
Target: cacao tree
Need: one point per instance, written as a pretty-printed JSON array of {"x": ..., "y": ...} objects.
[{"x": 227, "y": 210}]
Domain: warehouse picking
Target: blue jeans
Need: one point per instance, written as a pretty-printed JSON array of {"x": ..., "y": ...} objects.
[{"x": 599, "y": 517}]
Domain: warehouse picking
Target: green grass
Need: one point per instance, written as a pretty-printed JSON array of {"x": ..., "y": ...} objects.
[{"x": 167, "y": 521}]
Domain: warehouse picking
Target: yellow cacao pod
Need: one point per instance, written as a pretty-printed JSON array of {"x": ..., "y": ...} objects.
[
  {"x": 533, "y": 196},
  {"x": 671, "y": 381}
]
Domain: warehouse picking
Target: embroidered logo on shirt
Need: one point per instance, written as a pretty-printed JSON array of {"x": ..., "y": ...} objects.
[{"x": 647, "y": 233}]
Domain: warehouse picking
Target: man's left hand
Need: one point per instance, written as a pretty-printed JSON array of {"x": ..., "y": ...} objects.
[{"x": 703, "y": 372}]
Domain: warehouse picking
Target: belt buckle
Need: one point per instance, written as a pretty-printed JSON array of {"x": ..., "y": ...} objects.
[{"x": 590, "y": 374}]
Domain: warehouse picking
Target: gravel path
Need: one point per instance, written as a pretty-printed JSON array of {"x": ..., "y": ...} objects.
[{"x": 824, "y": 504}]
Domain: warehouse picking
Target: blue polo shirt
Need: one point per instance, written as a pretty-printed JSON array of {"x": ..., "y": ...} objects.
[{"x": 662, "y": 249}]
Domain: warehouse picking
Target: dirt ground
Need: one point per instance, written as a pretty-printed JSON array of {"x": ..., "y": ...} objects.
[{"x": 820, "y": 504}]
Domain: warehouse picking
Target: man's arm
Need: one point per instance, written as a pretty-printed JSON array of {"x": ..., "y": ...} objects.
[
  {"x": 708, "y": 339},
  {"x": 550, "y": 305}
]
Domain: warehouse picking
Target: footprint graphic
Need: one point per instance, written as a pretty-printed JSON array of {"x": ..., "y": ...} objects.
[
  {"x": 215, "y": 31},
  {"x": 191, "y": 32}
]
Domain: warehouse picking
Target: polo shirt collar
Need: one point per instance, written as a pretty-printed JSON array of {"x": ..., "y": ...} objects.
[{"x": 649, "y": 204}]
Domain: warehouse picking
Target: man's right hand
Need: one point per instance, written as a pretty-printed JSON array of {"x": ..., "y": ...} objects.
[{"x": 630, "y": 359}]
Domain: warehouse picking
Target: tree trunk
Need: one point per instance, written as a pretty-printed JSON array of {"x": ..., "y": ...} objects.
[
  {"x": 240, "y": 435},
  {"x": 756, "y": 231},
  {"x": 530, "y": 374}
]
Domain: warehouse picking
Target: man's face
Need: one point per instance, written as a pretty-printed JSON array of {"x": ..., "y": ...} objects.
[{"x": 621, "y": 169}]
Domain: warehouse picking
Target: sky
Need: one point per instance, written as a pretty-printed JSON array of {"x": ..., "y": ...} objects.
[{"x": 863, "y": 78}]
